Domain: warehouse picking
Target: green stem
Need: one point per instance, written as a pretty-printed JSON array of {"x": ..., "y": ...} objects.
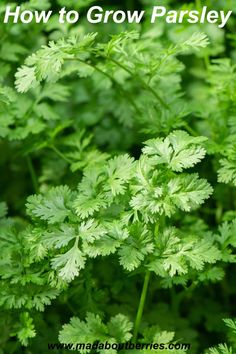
[
  {"x": 119, "y": 87},
  {"x": 144, "y": 84},
  {"x": 141, "y": 306},
  {"x": 115, "y": 83},
  {"x": 4, "y": 239},
  {"x": 219, "y": 212},
  {"x": 207, "y": 63},
  {"x": 33, "y": 175},
  {"x": 190, "y": 130},
  {"x": 59, "y": 153}
]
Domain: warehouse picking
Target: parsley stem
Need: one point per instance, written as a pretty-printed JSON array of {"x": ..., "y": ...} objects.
[
  {"x": 141, "y": 306},
  {"x": 115, "y": 83},
  {"x": 33, "y": 175},
  {"x": 60, "y": 154},
  {"x": 144, "y": 84},
  {"x": 5, "y": 239},
  {"x": 190, "y": 130},
  {"x": 207, "y": 63}
]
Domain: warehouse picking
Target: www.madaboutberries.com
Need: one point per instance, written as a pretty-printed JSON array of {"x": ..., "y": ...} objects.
[{"x": 119, "y": 346}]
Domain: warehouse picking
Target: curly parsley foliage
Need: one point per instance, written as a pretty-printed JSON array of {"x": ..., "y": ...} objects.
[
  {"x": 116, "y": 205},
  {"x": 117, "y": 330},
  {"x": 224, "y": 348},
  {"x": 118, "y": 160}
]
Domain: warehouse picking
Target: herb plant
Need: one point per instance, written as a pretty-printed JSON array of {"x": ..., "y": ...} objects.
[{"x": 118, "y": 159}]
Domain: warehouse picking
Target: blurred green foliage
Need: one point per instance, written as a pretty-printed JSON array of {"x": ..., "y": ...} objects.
[{"x": 110, "y": 135}]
